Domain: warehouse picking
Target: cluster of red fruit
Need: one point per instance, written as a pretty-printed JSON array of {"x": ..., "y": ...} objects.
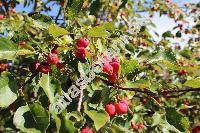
[
  {"x": 81, "y": 45},
  {"x": 117, "y": 108},
  {"x": 86, "y": 130},
  {"x": 111, "y": 67},
  {"x": 3, "y": 67},
  {"x": 45, "y": 67},
  {"x": 137, "y": 126}
]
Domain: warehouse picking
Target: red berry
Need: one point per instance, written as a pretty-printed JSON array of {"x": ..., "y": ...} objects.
[
  {"x": 196, "y": 129},
  {"x": 83, "y": 42},
  {"x": 134, "y": 126},
  {"x": 52, "y": 59},
  {"x": 125, "y": 100},
  {"x": 1, "y": 17},
  {"x": 1, "y": 4},
  {"x": 44, "y": 68},
  {"x": 182, "y": 72},
  {"x": 121, "y": 108},
  {"x": 12, "y": 10},
  {"x": 116, "y": 59},
  {"x": 107, "y": 68},
  {"x": 86, "y": 130},
  {"x": 106, "y": 59},
  {"x": 22, "y": 43},
  {"x": 80, "y": 53},
  {"x": 3, "y": 67},
  {"x": 110, "y": 109},
  {"x": 34, "y": 66},
  {"x": 140, "y": 126},
  {"x": 60, "y": 65},
  {"x": 112, "y": 78},
  {"x": 115, "y": 66}
]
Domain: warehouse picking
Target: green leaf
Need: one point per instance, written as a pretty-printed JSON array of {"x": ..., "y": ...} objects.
[
  {"x": 8, "y": 90},
  {"x": 170, "y": 56},
  {"x": 167, "y": 34},
  {"x": 194, "y": 83},
  {"x": 142, "y": 83},
  {"x": 153, "y": 87},
  {"x": 74, "y": 9},
  {"x": 176, "y": 119},
  {"x": 117, "y": 129},
  {"x": 167, "y": 64},
  {"x": 110, "y": 26},
  {"x": 123, "y": 4},
  {"x": 47, "y": 86},
  {"x": 24, "y": 121},
  {"x": 128, "y": 66},
  {"x": 95, "y": 7},
  {"x": 97, "y": 32},
  {"x": 40, "y": 115},
  {"x": 178, "y": 34},
  {"x": 186, "y": 53},
  {"x": 100, "y": 117},
  {"x": 57, "y": 31},
  {"x": 24, "y": 52},
  {"x": 7, "y": 49}
]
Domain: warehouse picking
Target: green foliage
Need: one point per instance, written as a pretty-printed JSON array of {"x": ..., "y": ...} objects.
[
  {"x": 8, "y": 90},
  {"x": 177, "y": 120},
  {"x": 7, "y": 49},
  {"x": 194, "y": 83},
  {"x": 99, "y": 121}
]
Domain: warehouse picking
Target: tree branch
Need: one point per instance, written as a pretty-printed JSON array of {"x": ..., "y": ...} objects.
[
  {"x": 163, "y": 93},
  {"x": 6, "y": 7}
]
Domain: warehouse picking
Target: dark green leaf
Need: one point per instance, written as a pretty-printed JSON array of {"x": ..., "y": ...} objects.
[
  {"x": 40, "y": 115},
  {"x": 176, "y": 119}
]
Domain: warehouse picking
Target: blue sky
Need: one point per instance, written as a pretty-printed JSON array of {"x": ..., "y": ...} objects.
[{"x": 163, "y": 23}]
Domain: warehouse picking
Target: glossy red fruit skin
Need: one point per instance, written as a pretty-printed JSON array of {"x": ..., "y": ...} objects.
[
  {"x": 44, "y": 68},
  {"x": 60, "y": 65},
  {"x": 115, "y": 59},
  {"x": 3, "y": 67},
  {"x": 107, "y": 68},
  {"x": 12, "y": 10},
  {"x": 54, "y": 51},
  {"x": 52, "y": 58},
  {"x": 83, "y": 42},
  {"x": 106, "y": 59},
  {"x": 110, "y": 109},
  {"x": 34, "y": 66},
  {"x": 182, "y": 72},
  {"x": 22, "y": 43},
  {"x": 140, "y": 126},
  {"x": 1, "y": 17},
  {"x": 115, "y": 66},
  {"x": 121, "y": 108},
  {"x": 86, "y": 130},
  {"x": 112, "y": 78},
  {"x": 80, "y": 53},
  {"x": 125, "y": 100},
  {"x": 196, "y": 129}
]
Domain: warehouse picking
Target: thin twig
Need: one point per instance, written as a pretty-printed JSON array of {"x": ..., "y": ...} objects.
[{"x": 59, "y": 12}]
